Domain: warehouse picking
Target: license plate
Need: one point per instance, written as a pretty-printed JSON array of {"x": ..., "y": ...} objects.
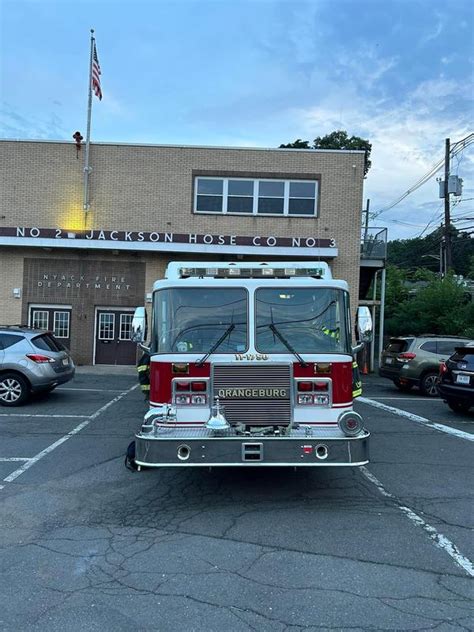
[
  {"x": 462, "y": 379},
  {"x": 389, "y": 361},
  {"x": 65, "y": 361}
]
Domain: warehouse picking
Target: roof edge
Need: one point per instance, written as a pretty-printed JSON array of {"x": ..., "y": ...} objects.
[{"x": 178, "y": 146}]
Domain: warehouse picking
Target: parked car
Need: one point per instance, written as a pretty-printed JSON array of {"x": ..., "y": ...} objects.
[
  {"x": 414, "y": 360},
  {"x": 456, "y": 379},
  {"x": 31, "y": 361}
]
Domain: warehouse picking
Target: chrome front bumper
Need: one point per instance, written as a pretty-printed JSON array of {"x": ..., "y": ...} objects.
[{"x": 197, "y": 447}]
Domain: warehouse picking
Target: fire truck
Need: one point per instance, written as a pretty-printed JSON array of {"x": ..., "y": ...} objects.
[{"x": 251, "y": 364}]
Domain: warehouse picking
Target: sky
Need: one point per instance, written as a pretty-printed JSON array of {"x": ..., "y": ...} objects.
[{"x": 256, "y": 73}]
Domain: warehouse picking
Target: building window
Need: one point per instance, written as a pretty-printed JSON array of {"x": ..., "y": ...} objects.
[
  {"x": 125, "y": 327},
  {"x": 240, "y": 196},
  {"x": 39, "y": 319},
  {"x": 271, "y": 197},
  {"x": 209, "y": 195},
  {"x": 61, "y": 324},
  {"x": 302, "y": 198},
  {"x": 106, "y": 326}
]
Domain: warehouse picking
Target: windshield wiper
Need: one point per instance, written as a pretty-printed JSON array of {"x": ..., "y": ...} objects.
[
  {"x": 287, "y": 344},
  {"x": 216, "y": 344}
]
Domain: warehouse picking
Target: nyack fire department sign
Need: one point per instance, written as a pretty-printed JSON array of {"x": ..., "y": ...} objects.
[{"x": 166, "y": 241}]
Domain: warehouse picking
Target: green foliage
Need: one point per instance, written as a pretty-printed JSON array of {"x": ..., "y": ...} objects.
[
  {"x": 424, "y": 252},
  {"x": 338, "y": 139},
  {"x": 470, "y": 272},
  {"x": 439, "y": 307}
]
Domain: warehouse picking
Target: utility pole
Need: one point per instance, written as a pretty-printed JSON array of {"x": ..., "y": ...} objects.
[
  {"x": 366, "y": 211},
  {"x": 447, "y": 218},
  {"x": 366, "y": 225}
]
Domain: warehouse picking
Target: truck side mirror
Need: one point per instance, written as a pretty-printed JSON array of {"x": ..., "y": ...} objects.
[
  {"x": 139, "y": 325},
  {"x": 364, "y": 324}
]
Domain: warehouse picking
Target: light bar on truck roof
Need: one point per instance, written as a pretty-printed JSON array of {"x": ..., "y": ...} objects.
[{"x": 251, "y": 273}]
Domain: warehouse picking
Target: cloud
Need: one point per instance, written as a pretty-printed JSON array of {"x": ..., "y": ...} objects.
[
  {"x": 14, "y": 124},
  {"x": 407, "y": 139},
  {"x": 434, "y": 31}
]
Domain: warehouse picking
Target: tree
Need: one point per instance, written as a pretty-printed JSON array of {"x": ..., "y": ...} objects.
[
  {"x": 440, "y": 307},
  {"x": 424, "y": 251},
  {"x": 338, "y": 139}
]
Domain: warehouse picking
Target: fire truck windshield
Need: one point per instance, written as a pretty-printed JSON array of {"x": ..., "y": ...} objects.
[
  {"x": 192, "y": 320},
  {"x": 311, "y": 320}
]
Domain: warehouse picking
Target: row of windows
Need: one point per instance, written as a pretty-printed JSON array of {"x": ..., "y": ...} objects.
[
  {"x": 240, "y": 196},
  {"x": 62, "y": 324},
  {"x": 107, "y": 326}
]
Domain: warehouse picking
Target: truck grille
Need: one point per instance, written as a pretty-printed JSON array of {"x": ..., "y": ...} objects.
[{"x": 258, "y": 406}]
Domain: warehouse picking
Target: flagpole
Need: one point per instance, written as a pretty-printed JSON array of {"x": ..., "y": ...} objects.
[{"x": 87, "y": 169}]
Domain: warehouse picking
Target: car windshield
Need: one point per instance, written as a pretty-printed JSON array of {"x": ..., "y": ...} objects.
[
  {"x": 192, "y": 320},
  {"x": 309, "y": 320}
]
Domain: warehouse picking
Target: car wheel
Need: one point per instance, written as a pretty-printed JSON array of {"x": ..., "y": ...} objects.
[
  {"x": 429, "y": 384},
  {"x": 14, "y": 389},
  {"x": 457, "y": 406}
]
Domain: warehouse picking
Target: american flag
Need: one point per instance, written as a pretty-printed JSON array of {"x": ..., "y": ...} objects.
[{"x": 96, "y": 74}]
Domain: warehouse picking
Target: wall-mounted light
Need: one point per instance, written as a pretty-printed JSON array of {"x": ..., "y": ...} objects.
[
  {"x": 16, "y": 292},
  {"x": 148, "y": 297}
]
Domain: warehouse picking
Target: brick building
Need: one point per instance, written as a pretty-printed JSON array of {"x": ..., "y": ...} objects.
[{"x": 81, "y": 273}]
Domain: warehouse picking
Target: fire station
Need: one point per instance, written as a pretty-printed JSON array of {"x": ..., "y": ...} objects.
[{"x": 80, "y": 269}]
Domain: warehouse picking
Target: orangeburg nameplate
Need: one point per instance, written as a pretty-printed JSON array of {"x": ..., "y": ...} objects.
[{"x": 254, "y": 393}]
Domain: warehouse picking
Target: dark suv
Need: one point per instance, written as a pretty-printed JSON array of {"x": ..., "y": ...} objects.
[
  {"x": 456, "y": 379},
  {"x": 414, "y": 360},
  {"x": 30, "y": 361}
]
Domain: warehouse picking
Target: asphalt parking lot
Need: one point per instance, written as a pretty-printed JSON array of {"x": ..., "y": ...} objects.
[{"x": 85, "y": 544}]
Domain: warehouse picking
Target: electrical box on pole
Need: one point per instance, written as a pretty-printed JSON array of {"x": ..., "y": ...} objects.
[{"x": 454, "y": 186}]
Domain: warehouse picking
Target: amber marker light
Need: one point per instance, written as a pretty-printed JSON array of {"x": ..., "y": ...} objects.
[{"x": 180, "y": 367}]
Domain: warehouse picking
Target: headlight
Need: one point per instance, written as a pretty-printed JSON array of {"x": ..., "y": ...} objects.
[{"x": 350, "y": 423}]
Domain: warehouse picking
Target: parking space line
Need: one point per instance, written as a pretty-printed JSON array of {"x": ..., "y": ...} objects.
[
  {"x": 8, "y": 459},
  {"x": 48, "y": 416},
  {"x": 416, "y": 418},
  {"x": 412, "y": 399},
  {"x": 94, "y": 390},
  {"x": 11, "y": 477},
  {"x": 440, "y": 540}
]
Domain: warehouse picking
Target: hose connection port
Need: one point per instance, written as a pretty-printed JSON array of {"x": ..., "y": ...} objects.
[
  {"x": 321, "y": 451},
  {"x": 184, "y": 452}
]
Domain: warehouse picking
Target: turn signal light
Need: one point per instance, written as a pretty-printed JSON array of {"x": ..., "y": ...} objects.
[
  {"x": 39, "y": 359},
  {"x": 320, "y": 386},
  {"x": 198, "y": 386},
  {"x": 305, "y": 386},
  {"x": 182, "y": 386}
]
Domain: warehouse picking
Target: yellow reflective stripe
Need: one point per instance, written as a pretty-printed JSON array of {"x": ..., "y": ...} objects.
[
  {"x": 145, "y": 387},
  {"x": 142, "y": 367},
  {"x": 357, "y": 392}
]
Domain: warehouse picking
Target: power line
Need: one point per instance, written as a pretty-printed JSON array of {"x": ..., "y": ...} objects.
[{"x": 456, "y": 148}]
